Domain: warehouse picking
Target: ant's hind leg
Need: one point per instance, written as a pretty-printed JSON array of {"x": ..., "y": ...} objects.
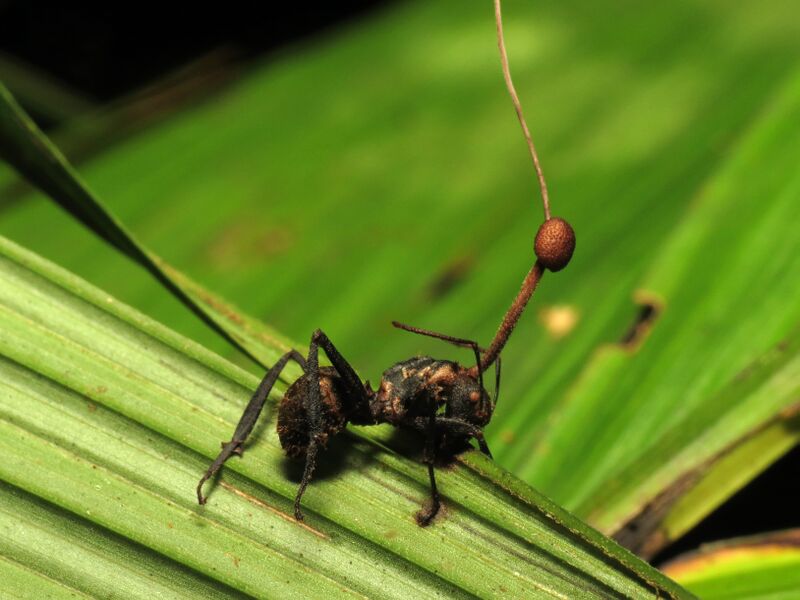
[
  {"x": 352, "y": 384},
  {"x": 248, "y": 419},
  {"x": 313, "y": 403}
]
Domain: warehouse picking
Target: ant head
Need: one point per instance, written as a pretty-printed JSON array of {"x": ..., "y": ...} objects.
[{"x": 468, "y": 400}]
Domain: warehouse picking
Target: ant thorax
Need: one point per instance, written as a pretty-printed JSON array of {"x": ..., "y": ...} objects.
[{"x": 409, "y": 388}]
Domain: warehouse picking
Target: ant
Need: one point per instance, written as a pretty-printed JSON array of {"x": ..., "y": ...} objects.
[{"x": 445, "y": 401}]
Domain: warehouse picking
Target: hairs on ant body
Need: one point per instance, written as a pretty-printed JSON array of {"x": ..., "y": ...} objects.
[{"x": 443, "y": 400}]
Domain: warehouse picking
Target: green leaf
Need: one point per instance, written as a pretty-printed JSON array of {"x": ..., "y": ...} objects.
[
  {"x": 107, "y": 419},
  {"x": 677, "y": 416},
  {"x": 729, "y": 471},
  {"x": 762, "y": 566}
]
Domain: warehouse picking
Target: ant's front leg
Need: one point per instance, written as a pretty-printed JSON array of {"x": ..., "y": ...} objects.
[
  {"x": 456, "y": 427},
  {"x": 248, "y": 418},
  {"x": 459, "y": 428},
  {"x": 352, "y": 386}
]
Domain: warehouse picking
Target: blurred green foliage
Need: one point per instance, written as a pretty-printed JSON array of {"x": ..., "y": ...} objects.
[{"x": 762, "y": 566}]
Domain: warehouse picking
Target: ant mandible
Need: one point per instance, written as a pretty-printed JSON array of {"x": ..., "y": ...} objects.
[{"x": 442, "y": 399}]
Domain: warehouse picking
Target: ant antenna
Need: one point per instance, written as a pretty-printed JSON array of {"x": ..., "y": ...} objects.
[
  {"x": 555, "y": 240},
  {"x": 464, "y": 344},
  {"x": 447, "y": 338}
]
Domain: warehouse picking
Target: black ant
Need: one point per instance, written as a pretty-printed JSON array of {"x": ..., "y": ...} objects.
[{"x": 445, "y": 401}]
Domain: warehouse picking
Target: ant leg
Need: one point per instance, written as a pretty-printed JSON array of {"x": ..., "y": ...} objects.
[
  {"x": 352, "y": 383},
  {"x": 308, "y": 471},
  {"x": 353, "y": 387},
  {"x": 313, "y": 406},
  {"x": 425, "y": 516},
  {"x": 248, "y": 418},
  {"x": 459, "y": 427}
]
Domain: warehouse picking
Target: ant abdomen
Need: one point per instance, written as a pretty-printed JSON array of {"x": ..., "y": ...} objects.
[{"x": 293, "y": 422}]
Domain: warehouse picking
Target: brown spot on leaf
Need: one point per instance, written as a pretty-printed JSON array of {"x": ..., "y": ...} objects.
[
  {"x": 272, "y": 509},
  {"x": 640, "y": 328},
  {"x": 791, "y": 411},
  {"x": 450, "y": 276},
  {"x": 246, "y": 242},
  {"x": 223, "y": 309},
  {"x": 507, "y": 436},
  {"x": 234, "y": 559}
]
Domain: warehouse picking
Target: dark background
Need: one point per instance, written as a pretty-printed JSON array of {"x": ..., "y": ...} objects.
[{"x": 106, "y": 50}]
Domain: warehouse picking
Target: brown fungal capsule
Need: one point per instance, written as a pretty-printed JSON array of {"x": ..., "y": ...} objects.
[{"x": 555, "y": 243}]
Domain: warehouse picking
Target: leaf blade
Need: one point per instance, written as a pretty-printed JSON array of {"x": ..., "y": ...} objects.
[
  {"x": 762, "y": 566},
  {"x": 119, "y": 422}
]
